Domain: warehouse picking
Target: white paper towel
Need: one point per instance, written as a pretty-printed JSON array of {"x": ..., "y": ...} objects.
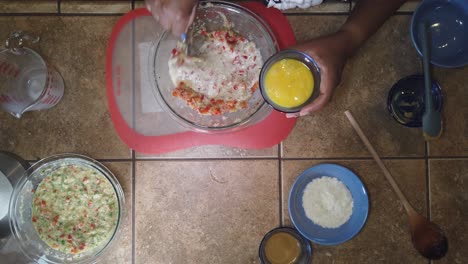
[{"x": 288, "y": 4}]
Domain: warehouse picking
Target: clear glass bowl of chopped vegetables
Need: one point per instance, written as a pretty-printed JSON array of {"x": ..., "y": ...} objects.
[
  {"x": 66, "y": 208},
  {"x": 237, "y": 36}
]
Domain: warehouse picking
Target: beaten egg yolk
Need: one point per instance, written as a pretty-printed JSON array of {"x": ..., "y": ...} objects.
[{"x": 289, "y": 83}]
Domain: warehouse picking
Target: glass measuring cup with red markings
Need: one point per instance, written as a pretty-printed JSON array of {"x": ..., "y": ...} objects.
[{"x": 26, "y": 82}]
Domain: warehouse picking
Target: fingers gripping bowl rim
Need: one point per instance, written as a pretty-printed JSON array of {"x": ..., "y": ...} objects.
[
  {"x": 21, "y": 203},
  {"x": 245, "y": 23}
]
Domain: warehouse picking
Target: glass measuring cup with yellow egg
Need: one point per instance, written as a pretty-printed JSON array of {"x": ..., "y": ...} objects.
[{"x": 290, "y": 80}]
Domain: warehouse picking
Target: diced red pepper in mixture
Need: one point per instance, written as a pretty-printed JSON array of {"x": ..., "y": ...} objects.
[{"x": 198, "y": 101}]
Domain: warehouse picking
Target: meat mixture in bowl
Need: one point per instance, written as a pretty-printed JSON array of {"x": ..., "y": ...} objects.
[{"x": 222, "y": 78}]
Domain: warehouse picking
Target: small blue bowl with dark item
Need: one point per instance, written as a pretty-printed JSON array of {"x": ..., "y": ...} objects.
[
  {"x": 317, "y": 233},
  {"x": 448, "y": 23},
  {"x": 405, "y": 101}
]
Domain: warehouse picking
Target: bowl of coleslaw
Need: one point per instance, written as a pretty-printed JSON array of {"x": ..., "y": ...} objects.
[
  {"x": 215, "y": 90},
  {"x": 66, "y": 208}
]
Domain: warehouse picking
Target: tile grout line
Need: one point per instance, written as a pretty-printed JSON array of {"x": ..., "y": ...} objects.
[
  {"x": 428, "y": 181},
  {"x": 206, "y": 159},
  {"x": 428, "y": 184},
  {"x": 133, "y": 206},
  {"x": 275, "y": 158},
  {"x": 355, "y": 158},
  {"x": 280, "y": 185},
  {"x": 272, "y": 158},
  {"x": 448, "y": 158}
]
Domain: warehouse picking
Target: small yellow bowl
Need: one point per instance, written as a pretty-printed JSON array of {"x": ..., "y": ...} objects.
[{"x": 290, "y": 76}]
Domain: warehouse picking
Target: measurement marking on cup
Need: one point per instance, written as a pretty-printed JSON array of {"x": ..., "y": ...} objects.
[{"x": 28, "y": 85}]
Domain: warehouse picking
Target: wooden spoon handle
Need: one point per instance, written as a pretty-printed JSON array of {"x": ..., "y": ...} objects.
[{"x": 377, "y": 159}]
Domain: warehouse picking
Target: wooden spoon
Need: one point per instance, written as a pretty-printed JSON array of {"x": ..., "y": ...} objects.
[{"x": 427, "y": 237}]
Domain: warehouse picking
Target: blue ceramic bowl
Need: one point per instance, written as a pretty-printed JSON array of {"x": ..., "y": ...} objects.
[
  {"x": 316, "y": 233},
  {"x": 448, "y": 21}
]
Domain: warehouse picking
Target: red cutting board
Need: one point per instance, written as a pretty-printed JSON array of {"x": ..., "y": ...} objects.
[{"x": 267, "y": 133}]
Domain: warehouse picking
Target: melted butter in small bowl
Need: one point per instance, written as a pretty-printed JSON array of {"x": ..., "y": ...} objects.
[
  {"x": 284, "y": 245},
  {"x": 290, "y": 80}
]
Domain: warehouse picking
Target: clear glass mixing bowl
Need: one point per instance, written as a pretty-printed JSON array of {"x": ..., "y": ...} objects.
[
  {"x": 247, "y": 24},
  {"x": 20, "y": 213}
]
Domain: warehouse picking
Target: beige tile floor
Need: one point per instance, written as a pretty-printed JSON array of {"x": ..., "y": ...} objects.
[{"x": 213, "y": 204}]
